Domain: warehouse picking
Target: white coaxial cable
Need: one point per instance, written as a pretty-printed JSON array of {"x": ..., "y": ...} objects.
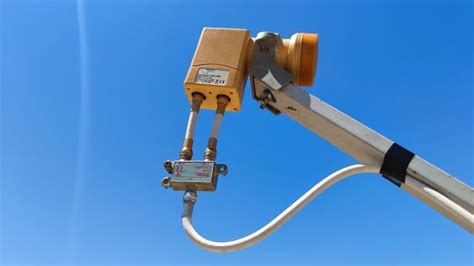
[
  {"x": 450, "y": 209},
  {"x": 277, "y": 221}
]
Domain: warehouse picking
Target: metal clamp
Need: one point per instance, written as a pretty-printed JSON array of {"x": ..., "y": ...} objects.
[{"x": 265, "y": 72}]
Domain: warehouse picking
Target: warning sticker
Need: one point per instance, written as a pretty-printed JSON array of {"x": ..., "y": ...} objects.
[{"x": 212, "y": 76}]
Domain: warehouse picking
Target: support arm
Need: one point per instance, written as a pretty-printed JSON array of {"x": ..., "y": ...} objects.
[{"x": 368, "y": 147}]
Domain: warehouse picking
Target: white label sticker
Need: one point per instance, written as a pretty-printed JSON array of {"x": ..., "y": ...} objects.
[
  {"x": 192, "y": 171},
  {"x": 213, "y": 76}
]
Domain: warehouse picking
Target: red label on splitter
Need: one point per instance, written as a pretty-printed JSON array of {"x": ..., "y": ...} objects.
[{"x": 192, "y": 171}]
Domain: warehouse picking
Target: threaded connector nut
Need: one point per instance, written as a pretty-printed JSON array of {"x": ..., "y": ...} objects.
[{"x": 190, "y": 196}]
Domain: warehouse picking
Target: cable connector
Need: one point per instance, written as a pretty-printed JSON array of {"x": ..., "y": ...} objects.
[{"x": 189, "y": 199}]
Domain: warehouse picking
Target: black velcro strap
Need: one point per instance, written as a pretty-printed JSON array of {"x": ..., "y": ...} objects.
[{"x": 395, "y": 164}]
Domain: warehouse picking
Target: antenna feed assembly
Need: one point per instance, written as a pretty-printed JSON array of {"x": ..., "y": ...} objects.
[
  {"x": 216, "y": 79},
  {"x": 225, "y": 57}
]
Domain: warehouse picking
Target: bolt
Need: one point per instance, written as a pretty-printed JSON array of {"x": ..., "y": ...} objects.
[
  {"x": 265, "y": 97},
  {"x": 165, "y": 182}
]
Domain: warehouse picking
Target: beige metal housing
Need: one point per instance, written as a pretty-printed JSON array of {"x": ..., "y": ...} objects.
[{"x": 219, "y": 67}]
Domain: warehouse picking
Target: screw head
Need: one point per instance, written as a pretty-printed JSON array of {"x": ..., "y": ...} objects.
[{"x": 165, "y": 182}]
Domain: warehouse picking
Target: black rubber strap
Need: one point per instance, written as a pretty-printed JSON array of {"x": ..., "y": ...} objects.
[{"x": 395, "y": 164}]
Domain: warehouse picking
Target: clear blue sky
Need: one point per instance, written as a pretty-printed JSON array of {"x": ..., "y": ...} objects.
[{"x": 92, "y": 106}]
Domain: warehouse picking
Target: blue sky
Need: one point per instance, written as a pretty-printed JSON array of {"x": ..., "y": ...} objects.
[{"x": 92, "y": 104}]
